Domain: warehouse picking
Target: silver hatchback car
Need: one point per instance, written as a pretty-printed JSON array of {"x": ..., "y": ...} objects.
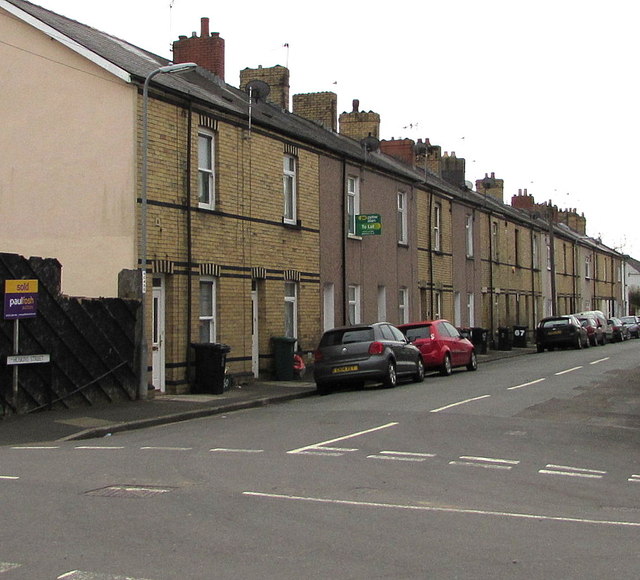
[{"x": 353, "y": 355}]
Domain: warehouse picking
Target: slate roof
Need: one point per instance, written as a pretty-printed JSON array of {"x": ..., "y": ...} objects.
[{"x": 203, "y": 86}]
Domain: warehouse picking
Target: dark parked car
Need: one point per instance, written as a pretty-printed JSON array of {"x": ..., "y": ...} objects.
[
  {"x": 441, "y": 345},
  {"x": 620, "y": 330},
  {"x": 594, "y": 330},
  {"x": 560, "y": 331},
  {"x": 352, "y": 355},
  {"x": 633, "y": 324}
]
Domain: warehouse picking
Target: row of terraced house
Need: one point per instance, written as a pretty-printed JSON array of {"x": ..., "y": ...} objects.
[{"x": 250, "y": 208}]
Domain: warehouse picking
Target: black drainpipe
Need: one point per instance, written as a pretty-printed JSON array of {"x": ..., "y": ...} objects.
[
  {"x": 345, "y": 233},
  {"x": 189, "y": 241}
]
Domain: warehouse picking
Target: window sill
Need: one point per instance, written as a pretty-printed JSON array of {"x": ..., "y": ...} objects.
[
  {"x": 354, "y": 237},
  {"x": 293, "y": 225},
  {"x": 403, "y": 244}
]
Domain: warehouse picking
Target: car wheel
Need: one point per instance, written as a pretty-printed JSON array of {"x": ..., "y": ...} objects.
[
  {"x": 473, "y": 362},
  {"x": 391, "y": 380},
  {"x": 539, "y": 348},
  {"x": 419, "y": 376},
  {"x": 593, "y": 341},
  {"x": 445, "y": 369},
  {"x": 578, "y": 344},
  {"x": 322, "y": 389}
]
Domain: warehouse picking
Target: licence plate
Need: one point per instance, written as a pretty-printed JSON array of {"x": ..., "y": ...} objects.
[
  {"x": 555, "y": 332},
  {"x": 346, "y": 369}
]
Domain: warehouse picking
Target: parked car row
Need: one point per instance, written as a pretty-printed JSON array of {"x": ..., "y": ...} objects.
[
  {"x": 382, "y": 352},
  {"x": 584, "y": 329}
]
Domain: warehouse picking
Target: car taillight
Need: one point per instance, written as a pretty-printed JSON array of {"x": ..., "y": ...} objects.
[
  {"x": 376, "y": 348},
  {"x": 317, "y": 356}
]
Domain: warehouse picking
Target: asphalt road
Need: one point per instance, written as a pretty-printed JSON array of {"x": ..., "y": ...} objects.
[{"x": 527, "y": 468}]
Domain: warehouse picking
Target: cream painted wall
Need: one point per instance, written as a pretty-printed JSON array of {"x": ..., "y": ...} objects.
[{"x": 67, "y": 160}]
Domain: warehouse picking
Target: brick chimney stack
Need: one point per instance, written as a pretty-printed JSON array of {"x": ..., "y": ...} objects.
[
  {"x": 277, "y": 77},
  {"x": 206, "y": 50},
  {"x": 403, "y": 150},
  {"x": 492, "y": 186},
  {"x": 321, "y": 108},
  {"x": 359, "y": 125}
]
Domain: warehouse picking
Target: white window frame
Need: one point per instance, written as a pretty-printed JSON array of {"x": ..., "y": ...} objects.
[
  {"x": 353, "y": 302},
  {"x": 353, "y": 202},
  {"x": 291, "y": 309},
  {"x": 495, "y": 242},
  {"x": 289, "y": 188},
  {"x": 403, "y": 305},
  {"x": 437, "y": 305},
  {"x": 328, "y": 299},
  {"x": 587, "y": 267},
  {"x": 468, "y": 226},
  {"x": 382, "y": 303},
  {"x": 437, "y": 227},
  {"x": 471, "y": 309},
  {"x": 535, "y": 260},
  {"x": 206, "y": 170},
  {"x": 208, "y": 319},
  {"x": 403, "y": 222}
]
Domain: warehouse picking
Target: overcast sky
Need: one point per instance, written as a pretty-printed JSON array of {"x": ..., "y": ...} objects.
[{"x": 544, "y": 94}]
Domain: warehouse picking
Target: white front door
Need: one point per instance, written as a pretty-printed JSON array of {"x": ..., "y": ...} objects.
[
  {"x": 255, "y": 341},
  {"x": 157, "y": 345}
]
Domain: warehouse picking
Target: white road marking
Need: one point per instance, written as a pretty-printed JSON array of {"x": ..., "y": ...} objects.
[
  {"x": 227, "y": 450},
  {"x": 463, "y": 511},
  {"x": 458, "y": 403},
  {"x": 80, "y": 575},
  {"x": 567, "y": 371},
  {"x": 323, "y": 443},
  {"x": 491, "y": 459},
  {"x": 485, "y": 462},
  {"x": 525, "y": 384},
  {"x": 9, "y": 477},
  {"x": 6, "y": 566},
  {"x": 399, "y": 457},
  {"x": 152, "y": 448},
  {"x": 568, "y": 471},
  {"x": 635, "y": 478},
  {"x": 36, "y": 447},
  {"x": 595, "y": 362},
  {"x": 99, "y": 447},
  {"x": 408, "y": 454}
]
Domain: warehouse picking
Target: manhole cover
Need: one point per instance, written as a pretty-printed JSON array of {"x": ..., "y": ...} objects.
[{"x": 129, "y": 491}]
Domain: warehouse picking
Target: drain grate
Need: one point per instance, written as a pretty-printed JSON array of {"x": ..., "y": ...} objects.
[{"x": 129, "y": 491}]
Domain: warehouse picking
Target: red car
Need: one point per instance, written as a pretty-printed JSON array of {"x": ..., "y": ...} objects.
[{"x": 441, "y": 345}]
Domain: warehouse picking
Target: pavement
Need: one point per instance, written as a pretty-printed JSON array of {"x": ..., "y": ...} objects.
[{"x": 58, "y": 425}]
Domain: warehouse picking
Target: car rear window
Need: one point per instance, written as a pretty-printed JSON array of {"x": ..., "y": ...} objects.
[
  {"x": 418, "y": 332},
  {"x": 347, "y": 336},
  {"x": 556, "y": 322}
]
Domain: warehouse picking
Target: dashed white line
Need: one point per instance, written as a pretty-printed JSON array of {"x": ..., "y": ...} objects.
[
  {"x": 99, "y": 447},
  {"x": 6, "y": 566},
  {"x": 228, "y": 450},
  {"x": 595, "y": 362},
  {"x": 568, "y": 471},
  {"x": 635, "y": 478},
  {"x": 567, "y": 371},
  {"x": 453, "y": 510},
  {"x": 10, "y": 477},
  {"x": 459, "y": 403},
  {"x": 525, "y": 384},
  {"x": 401, "y": 456},
  {"x": 485, "y": 462},
  {"x": 36, "y": 447},
  {"x": 154, "y": 448}
]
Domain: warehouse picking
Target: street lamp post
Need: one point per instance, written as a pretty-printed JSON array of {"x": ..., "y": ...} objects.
[{"x": 169, "y": 69}]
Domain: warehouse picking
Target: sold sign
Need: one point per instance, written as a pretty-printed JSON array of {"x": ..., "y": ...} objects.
[{"x": 20, "y": 299}]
